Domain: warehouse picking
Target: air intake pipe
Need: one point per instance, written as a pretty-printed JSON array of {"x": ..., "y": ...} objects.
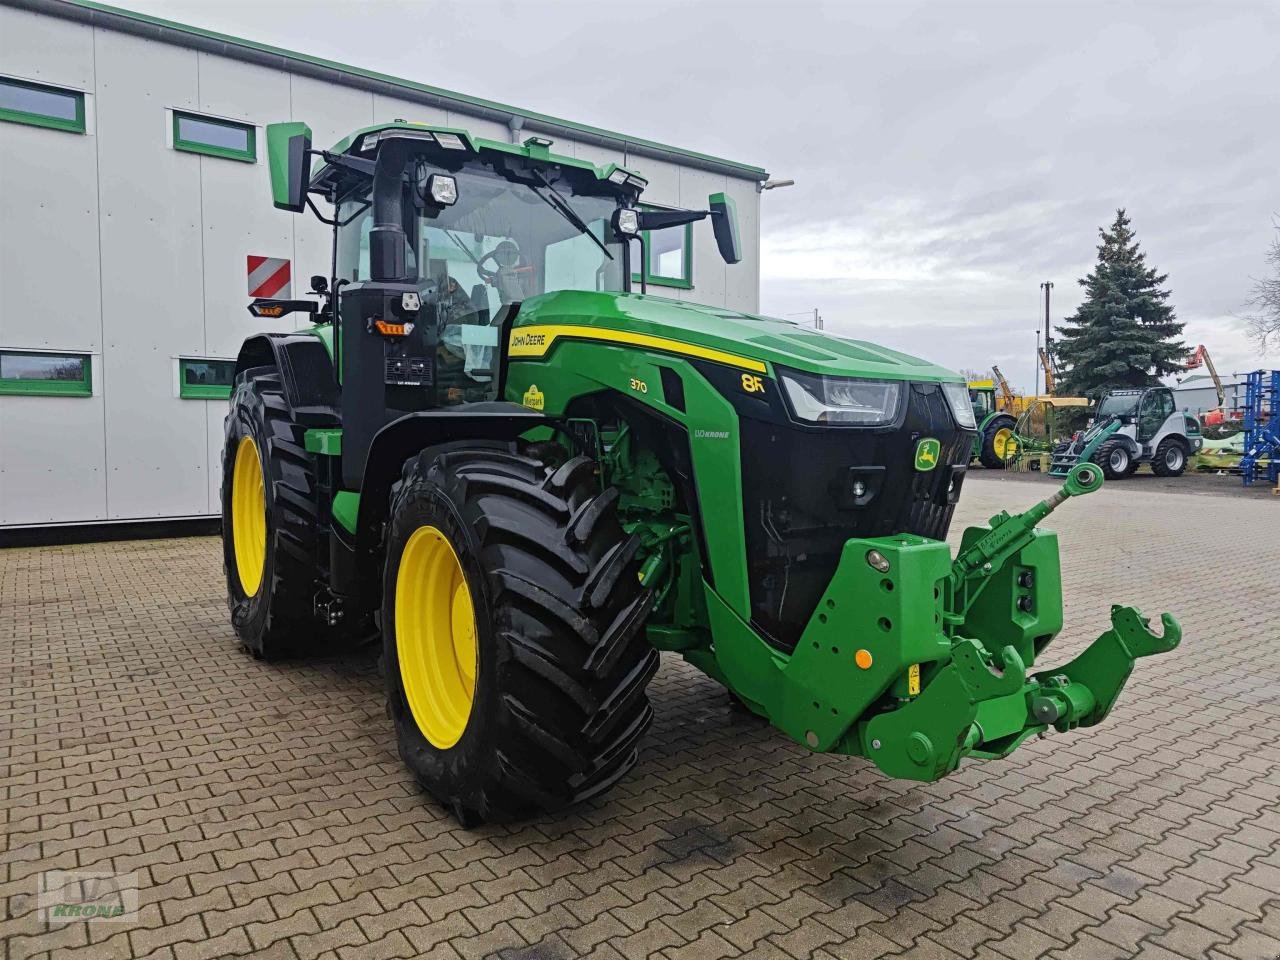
[{"x": 387, "y": 240}]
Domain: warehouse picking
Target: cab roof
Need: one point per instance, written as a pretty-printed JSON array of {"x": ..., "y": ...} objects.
[{"x": 534, "y": 148}]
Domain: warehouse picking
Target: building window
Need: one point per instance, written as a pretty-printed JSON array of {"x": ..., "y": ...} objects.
[
  {"x": 41, "y": 106},
  {"x": 205, "y": 379},
  {"x": 670, "y": 254},
  {"x": 215, "y": 138},
  {"x": 46, "y": 374}
]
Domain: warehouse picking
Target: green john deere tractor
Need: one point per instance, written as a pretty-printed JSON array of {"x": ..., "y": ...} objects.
[
  {"x": 531, "y": 480},
  {"x": 996, "y": 441}
]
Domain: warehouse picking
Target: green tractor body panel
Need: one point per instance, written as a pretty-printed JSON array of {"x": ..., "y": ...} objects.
[
  {"x": 799, "y": 560},
  {"x": 745, "y": 341}
]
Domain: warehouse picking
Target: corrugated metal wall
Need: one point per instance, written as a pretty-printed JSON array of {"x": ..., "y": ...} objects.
[{"x": 114, "y": 244}]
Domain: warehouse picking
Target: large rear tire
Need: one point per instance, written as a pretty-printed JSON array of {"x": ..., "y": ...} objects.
[
  {"x": 269, "y": 520},
  {"x": 999, "y": 442},
  {"x": 513, "y": 640}
]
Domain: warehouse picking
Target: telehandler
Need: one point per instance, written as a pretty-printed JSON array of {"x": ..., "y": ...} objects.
[
  {"x": 531, "y": 479},
  {"x": 1130, "y": 428}
]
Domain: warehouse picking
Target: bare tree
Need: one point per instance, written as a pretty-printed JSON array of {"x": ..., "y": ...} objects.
[{"x": 1264, "y": 321}]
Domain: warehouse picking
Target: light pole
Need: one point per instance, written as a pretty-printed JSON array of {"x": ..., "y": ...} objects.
[
  {"x": 1046, "y": 287},
  {"x": 1035, "y": 375}
]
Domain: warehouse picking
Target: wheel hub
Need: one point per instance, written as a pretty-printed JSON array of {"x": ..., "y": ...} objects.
[
  {"x": 435, "y": 629},
  {"x": 248, "y": 516}
]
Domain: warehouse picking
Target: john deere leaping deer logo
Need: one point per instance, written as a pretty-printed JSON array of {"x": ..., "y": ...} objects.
[{"x": 927, "y": 451}]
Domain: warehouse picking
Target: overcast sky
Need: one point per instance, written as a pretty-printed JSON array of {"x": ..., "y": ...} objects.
[{"x": 948, "y": 156}]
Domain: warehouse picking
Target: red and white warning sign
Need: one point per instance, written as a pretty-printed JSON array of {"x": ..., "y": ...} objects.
[{"x": 269, "y": 277}]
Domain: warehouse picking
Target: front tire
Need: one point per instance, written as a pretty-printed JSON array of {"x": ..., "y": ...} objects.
[
  {"x": 529, "y": 694},
  {"x": 269, "y": 520},
  {"x": 1114, "y": 459},
  {"x": 1170, "y": 459}
]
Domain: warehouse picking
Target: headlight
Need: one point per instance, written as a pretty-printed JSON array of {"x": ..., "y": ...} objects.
[
  {"x": 450, "y": 141},
  {"x": 371, "y": 140},
  {"x": 818, "y": 399},
  {"x": 957, "y": 395},
  {"x": 443, "y": 190},
  {"x": 628, "y": 222}
]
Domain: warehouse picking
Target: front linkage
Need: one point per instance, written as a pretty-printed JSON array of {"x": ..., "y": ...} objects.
[
  {"x": 917, "y": 661},
  {"x": 974, "y": 708}
]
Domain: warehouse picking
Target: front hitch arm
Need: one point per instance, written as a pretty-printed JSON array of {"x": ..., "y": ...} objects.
[
  {"x": 1082, "y": 692},
  {"x": 982, "y": 701}
]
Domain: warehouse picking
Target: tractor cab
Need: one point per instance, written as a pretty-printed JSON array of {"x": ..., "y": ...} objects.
[
  {"x": 439, "y": 236},
  {"x": 982, "y": 397},
  {"x": 1146, "y": 411}
]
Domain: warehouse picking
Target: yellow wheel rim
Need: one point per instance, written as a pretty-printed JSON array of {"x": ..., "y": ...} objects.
[
  {"x": 248, "y": 516},
  {"x": 1004, "y": 444},
  {"x": 435, "y": 637}
]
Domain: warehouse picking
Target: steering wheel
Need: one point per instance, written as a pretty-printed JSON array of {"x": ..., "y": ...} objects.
[{"x": 505, "y": 256}]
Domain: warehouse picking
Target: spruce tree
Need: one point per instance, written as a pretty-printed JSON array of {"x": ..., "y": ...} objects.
[{"x": 1125, "y": 333}]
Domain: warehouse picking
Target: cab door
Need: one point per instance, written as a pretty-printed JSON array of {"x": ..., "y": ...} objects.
[{"x": 1157, "y": 406}]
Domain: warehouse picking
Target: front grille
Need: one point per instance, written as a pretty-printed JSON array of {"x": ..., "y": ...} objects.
[{"x": 799, "y": 504}]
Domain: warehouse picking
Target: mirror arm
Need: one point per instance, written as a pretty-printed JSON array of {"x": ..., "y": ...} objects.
[
  {"x": 356, "y": 164},
  {"x": 320, "y": 216},
  {"x": 661, "y": 219}
]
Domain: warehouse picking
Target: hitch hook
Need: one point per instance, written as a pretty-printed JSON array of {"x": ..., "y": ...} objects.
[{"x": 1134, "y": 632}]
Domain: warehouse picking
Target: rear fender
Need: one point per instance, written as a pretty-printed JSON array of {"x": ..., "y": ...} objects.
[{"x": 306, "y": 373}]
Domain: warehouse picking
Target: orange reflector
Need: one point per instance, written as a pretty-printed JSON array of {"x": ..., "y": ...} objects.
[
  {"x": 390, "y": 329},
  {"x": 863, "y": 659},
  {"x": 270, "y": 311}
]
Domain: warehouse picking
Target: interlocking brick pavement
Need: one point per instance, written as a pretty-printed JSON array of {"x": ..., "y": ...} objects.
[{"x": 266, "y": 813}]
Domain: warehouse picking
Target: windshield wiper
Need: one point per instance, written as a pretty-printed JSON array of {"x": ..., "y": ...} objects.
[
  {"x": 460, "y": 245},
  {"x": 558, "y": 203}
]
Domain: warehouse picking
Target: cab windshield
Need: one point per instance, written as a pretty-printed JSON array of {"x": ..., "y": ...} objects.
[
  {"x": 982, "y": 401},
  {"x": 1119, "y": 405},
  {"x": 502, "y": 241}
]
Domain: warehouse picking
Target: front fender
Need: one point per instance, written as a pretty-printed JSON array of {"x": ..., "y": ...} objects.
[{"x": 399, "y": 440}]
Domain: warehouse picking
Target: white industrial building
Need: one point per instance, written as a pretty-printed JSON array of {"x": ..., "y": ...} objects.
[
  {"x": 135, "y": 205},
  {"x": 1197, "y": 394}
]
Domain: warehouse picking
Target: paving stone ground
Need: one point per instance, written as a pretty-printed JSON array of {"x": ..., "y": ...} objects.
[{"x": 264, "y": 811}]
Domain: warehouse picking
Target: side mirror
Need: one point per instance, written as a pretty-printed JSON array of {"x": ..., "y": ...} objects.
[
  {"x": 724, "y": 223},
  {"x": 267, "y": 307},
  {"x": 289, "y": 159}
]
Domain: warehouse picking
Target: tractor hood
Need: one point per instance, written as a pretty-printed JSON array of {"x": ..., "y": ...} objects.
[{"x": 691, "y": 328}]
